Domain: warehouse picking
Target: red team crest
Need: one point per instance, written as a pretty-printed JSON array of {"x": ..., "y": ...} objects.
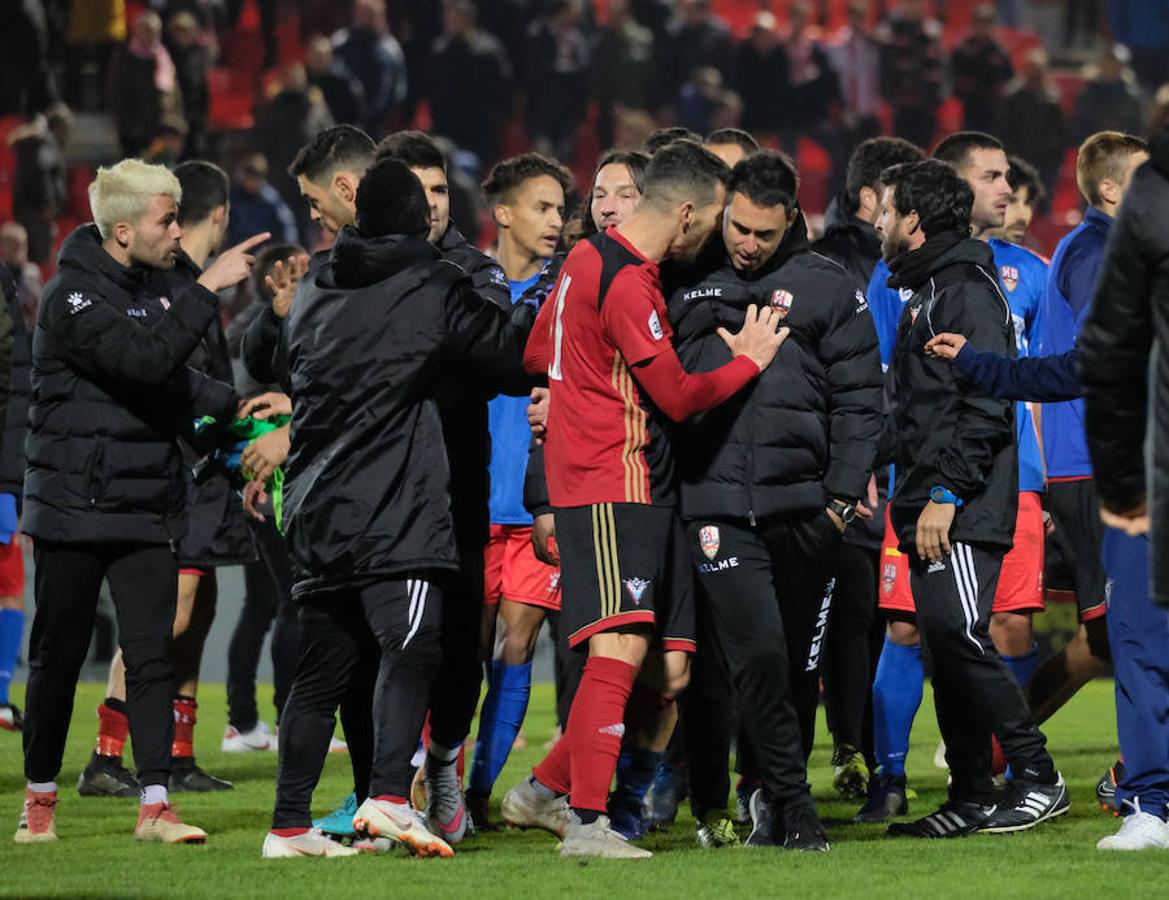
[
  {"x": 889, "y": 577},
  {"x": 1010, "y": 277},
  {"x": 781, "y": 302},
  {"x": 708, "y": 539}
]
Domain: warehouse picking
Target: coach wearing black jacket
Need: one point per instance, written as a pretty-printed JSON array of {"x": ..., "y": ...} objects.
[
  {"x": 953, "y": 505},
  {"x": 769, "y": 480},
  {"x": 367, "y": 507},
  {"x": 104, "y": 491}
]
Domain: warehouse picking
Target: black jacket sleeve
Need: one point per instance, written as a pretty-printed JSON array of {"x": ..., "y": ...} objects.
[
  {"x": 103, "y": 342},
  {"x": 536, "y": 500},
  {"x": 1039, "y": 379},
  {"x": 199, "y": 394},
  {"x": 983, "y": 424},
  {"x": 8, "y": 292},
  {"x": 852, "y": 358},
  {"x": 264, "y": 351},
  {"x": 1117, "y": 338},
  {"x": 486, "y": 341}
]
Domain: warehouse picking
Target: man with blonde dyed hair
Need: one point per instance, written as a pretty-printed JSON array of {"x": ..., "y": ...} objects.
[{"x": 104, "y": 492}]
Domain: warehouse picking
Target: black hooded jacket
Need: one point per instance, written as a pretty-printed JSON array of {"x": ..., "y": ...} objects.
[
  {"x": 374, "y": 331},
  {"x": 852, "y": 243},
  {"x": 15, "y": 409},
  {"x": 1129, "y": 312},
  {"x": 806, "y": 431},
  {"x": 110, "y": 394},
  {"x": 948, "y": 432}
]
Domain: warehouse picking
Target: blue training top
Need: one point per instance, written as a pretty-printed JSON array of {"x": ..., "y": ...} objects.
[
  {"x": 1023, "y": 278},
  {"x": 1066, "y": 302},
  {"x": 507, "y": 420}
]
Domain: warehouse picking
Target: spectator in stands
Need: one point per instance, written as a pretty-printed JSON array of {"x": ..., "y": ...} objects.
[
  {"x": 1143, "y": 27},
  {"x": 343, "y": 94},
  {"x": 1030, "y": 120},
  {"x": 1110, "y": 99},
  {"x": 370, "y": 52},
  {"x": 813, "y": 87},
  {"x": 255, "y": 204},
  {"x": 192, "y": 58},
  {"x": 1159, "y": 110},
  {"x": 697, "y": 99},
  {"x": 286, "y": 123},
  {"x": 143, "y": 85},
  {"x": 470, "y": 83},
  {"x": 696, "y": 38},
  {"x": 556, "y": 77},
  {"x": 26, "y": 274},
  {"x": 624, "y": 71},
  {"x": 26, "y": 84},
  {"x": 855, "y": 54},
  {"x": 96, "y": 28},
  {"x": 166, "y": 147},
  {"x": 912, "y": 71},
  {"x": 760, "y": 76},
  {"x": 39, "y": 186},
  {"x": 981, "y": 69},
  {"x": 268, "y": 24}
]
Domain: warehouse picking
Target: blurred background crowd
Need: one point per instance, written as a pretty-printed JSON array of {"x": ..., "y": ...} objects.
[{"x": 245, "y": 83}]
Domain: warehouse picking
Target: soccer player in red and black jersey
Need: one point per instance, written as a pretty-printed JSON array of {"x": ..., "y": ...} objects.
[{"x": 616, "y": 383}]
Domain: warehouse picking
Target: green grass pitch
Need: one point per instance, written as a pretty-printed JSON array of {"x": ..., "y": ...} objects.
[{"x": 97, "y": 855}]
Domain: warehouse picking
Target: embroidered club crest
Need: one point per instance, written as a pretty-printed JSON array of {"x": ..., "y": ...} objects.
[
  {"x": 1010, "y": 277},
  {"x": 889, "y": 577},
  {"x": 781, "y": 302},
  {"x": 636, "y": 587},
  {"x": 708, "y": 540}
]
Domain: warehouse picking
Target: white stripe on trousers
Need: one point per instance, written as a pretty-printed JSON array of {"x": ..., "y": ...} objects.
[
  {"x": 966, "y": 578},
  {"x": 417, "y": 607}
]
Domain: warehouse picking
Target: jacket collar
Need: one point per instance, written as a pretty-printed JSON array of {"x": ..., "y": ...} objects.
[
  {"x": 913, "y": 269},
  {"x": 82, "y": 250}
]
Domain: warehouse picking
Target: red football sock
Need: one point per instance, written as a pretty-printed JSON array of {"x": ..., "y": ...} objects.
[
  {"x": 186, "y": 710},
  {"x": 391, "y": 798},
  {"x": 596, "y": 725},
  {"x": 289, "y": 832},
  {"x": 555, "y": 772},
  {"x": 112, "y": 729}
]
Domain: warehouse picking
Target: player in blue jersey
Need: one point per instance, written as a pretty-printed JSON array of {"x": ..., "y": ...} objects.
[
  {"x": 527, "y": 198},
  {"x": 1104, "y": 167}
]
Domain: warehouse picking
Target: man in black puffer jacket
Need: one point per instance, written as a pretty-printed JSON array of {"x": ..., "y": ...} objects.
[
  {"x": 104, "y": 491},
  {"x": 12, "y": 490},
  {"x": 953, "y": 505},
  {"x": 367, "y": 504},
  {"x": 770, "y": 479}
]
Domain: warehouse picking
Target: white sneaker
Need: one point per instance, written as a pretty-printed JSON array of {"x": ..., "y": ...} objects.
[
  {"x": 940, "y": 756},
  {"x": 311, "y": 843},
  {"x": 599, "y": 840},
  {"x": 1140, "y": 831},
  {"x": 236, "y": 741},
  {"x": 524, "y": 807},
  {"x": 400, "y": 822}
]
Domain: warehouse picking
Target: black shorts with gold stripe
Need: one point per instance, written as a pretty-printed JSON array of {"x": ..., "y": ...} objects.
[{"x": 624, "y": 564}]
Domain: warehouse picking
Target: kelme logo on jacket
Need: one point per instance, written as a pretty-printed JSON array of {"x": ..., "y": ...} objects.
[{"x": 77, "y": 302}]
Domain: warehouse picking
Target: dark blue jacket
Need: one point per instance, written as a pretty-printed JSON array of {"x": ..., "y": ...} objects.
[{"x": 1039, "y": 379}]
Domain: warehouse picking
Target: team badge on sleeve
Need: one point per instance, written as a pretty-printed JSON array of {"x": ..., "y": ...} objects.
[
  {"x": 1010, "y": 277},
  {"x": 781, "y": 302},
  {"x": 655, "y": 326},
  {"x": 708, "y": 540},
  {"x": 636, "y": 588}
]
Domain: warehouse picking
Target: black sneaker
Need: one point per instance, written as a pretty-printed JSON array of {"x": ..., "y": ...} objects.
[
  {"x": 1106, "y": 787},
  {"x": 954, "y": 818},
  {"x": 803, "y": 829},
  {"x": 187, "y": 777},
  {"x": 105, "y": 776},
  {"x": 886, "y": 800},
  {"x": 764, "y": 832},
  {"x": 1028, "y": 804}
]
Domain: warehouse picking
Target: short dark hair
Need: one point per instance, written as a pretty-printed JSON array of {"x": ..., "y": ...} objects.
[
  {"x": 339, "y": 147},
  {"x": 956, "y": 149},
  {"x": 507, "y": 175},
  {"x": 266, "y": 260},
  {"x": 634, "y": 160},
  {"x": 940, "y": 195},
  {"x": 1104, "y": 155},
  {"x": 390, "y": 200},
  {"x": 683, "y": 171},
  {"x": 737, "y": 136},
  {"x": 416, "y": 149},
  {"x": 1022, "y": 175},
  {"x": 205, "y": 188},
  {"x": 870, "y": 159},
  {"x": 767, "y": 178},
  {"x": 663, "y": 137}
]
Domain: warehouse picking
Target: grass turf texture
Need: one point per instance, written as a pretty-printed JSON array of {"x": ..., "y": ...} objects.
[{"x": 97, "y": 856}]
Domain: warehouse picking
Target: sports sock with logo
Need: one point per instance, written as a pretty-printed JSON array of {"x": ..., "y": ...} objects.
[
  {"x": 113, "y": 727},
  {"x": 896, "y": 697},
  {"x": 595, "y": 727},
  {"x": 1024, "y": 665},
  {"x": 11, "y": 632},
  {"x": 503, "y": 713},
  {"x": 186, "y": 714}
]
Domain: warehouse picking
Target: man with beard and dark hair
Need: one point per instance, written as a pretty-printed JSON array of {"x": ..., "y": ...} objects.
[
  {"x": 954, "y": 504},
  {"x": 371, "y": 591},
  {"x": 768, "y": 484}
]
